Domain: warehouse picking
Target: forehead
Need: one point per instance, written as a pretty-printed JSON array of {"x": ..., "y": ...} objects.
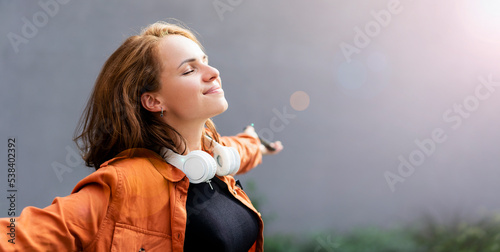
[{"x": 173, "y": 49}]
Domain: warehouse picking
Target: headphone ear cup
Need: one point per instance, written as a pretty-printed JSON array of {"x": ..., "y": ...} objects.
[
  {"x": 236, "y": 161},
  {"x": 223, "y": 158},
  {"x": 199, "y": 166}
]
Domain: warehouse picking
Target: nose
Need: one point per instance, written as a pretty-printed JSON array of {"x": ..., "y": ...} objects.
[{"x": 211, "y": 74}]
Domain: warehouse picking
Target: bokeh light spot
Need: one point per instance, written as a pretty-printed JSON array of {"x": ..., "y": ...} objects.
[{"x": 299, "y": 100}]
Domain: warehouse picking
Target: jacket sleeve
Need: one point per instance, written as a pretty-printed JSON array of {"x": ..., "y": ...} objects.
[
  {"x": 69, "y": 224},
  {"x": 248, "y": 147}
]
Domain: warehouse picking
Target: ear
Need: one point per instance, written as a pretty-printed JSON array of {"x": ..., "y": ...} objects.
[{"x": 150, "y": 102}]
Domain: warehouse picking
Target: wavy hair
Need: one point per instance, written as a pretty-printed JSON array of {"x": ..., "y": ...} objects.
[{"x": 114, "y": 119}]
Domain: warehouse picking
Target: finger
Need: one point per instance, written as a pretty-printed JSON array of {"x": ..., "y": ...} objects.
[
  {"x": 248, "y": 128},
  {"x": 278, "y": 145}
]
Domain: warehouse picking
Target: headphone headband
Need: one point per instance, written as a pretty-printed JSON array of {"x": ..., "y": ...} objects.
[{"x": 199, "y": 166}]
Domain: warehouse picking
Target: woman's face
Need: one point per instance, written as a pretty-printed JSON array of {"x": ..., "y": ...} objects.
[{"x": 190, "y": 89}]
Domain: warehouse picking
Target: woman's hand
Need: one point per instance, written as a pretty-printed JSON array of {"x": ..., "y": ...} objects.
[{"x": 276, "y": 145}]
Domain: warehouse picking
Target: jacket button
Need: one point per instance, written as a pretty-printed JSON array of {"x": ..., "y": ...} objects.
[
  {"x": 234, "y": 191},
  {"x": 142, "y": 250}
]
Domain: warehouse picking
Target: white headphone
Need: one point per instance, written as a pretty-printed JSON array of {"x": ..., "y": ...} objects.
[{"x": 200, "y": 167}]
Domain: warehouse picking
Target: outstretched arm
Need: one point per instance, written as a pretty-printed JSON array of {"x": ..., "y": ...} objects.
[
  {"x": 278, "y": 147},
  {"x": 69, "y": 224},
  {"x": 250, "y": 148}
]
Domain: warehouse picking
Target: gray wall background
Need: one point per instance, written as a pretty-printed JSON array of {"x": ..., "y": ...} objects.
[{"x": 406, "y": 80}]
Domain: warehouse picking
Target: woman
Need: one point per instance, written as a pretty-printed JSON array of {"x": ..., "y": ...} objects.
[{"x": 155, "y": 93}]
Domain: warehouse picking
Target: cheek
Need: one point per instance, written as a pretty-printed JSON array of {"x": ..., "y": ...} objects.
[
  {"x": 187, "y": 93},
  {"x": 182, "y": 97}
]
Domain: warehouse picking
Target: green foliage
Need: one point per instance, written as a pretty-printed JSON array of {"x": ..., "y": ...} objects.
[
  {"x": 425, "y": 235},
  {"x": 283, "y": 242},
  {"x": 459, "y": 235},
  {"x": 366, "y": 239}
]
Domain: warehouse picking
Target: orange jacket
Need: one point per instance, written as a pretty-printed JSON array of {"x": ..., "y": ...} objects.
[{"x": 129, "y": 204}]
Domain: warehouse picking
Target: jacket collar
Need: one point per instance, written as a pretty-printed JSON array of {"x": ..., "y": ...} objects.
[{"x": 167, "y": 170}]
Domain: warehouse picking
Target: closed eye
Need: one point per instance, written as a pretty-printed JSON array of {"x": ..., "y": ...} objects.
[{"x": 188, "y": 72}]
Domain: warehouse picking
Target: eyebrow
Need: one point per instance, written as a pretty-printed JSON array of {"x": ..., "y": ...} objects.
[{"x": 205, "y": 58}]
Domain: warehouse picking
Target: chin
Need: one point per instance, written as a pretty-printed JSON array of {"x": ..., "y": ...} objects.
[
  {"x": 217, "y": 109},
  {"x": 223, "y": 107},
  {"x": 226, "y": 105}
]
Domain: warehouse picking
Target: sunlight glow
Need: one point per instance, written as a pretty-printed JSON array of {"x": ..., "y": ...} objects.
[{"x": 482, "y": 19}]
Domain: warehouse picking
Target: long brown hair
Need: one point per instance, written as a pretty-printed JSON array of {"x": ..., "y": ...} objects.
[{"x": 114, "y": 119}]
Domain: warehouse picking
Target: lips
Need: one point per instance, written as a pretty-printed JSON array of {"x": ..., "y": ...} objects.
[{"x": 213, "y": 90}]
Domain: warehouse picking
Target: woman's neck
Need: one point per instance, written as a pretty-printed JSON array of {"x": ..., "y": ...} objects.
[
  {"x": 193, "y": 139},
  {"x": 191, "y": 132}
]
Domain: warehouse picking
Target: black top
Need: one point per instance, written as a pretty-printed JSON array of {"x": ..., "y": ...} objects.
[{"x": 217, "y": 221}]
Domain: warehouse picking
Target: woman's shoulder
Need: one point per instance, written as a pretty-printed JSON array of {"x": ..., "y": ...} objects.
[
  {"x": 133, "y": 157},
  {"x": 141, "y": 163},
  {"x": 132, "y": 171},
  {"x": 129, "y": 163}
]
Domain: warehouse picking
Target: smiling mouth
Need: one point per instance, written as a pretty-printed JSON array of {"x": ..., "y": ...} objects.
[{"x": 213, "y": 90}]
